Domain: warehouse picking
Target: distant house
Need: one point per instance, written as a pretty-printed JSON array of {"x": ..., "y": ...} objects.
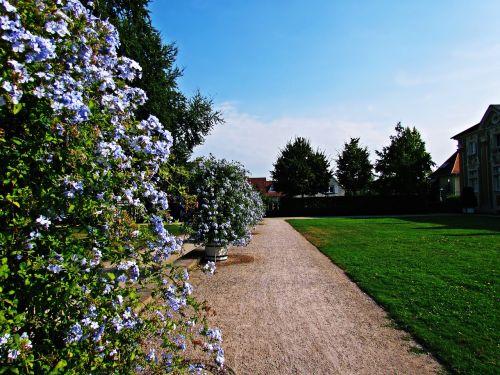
[
  {"x": 334, "y": 189},
  {"x": 479, "y": 153},
  {"x": 265, "y": 186},
  {"x": 446, "y": 178}
]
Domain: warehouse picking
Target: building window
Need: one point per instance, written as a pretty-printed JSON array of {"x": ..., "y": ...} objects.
[
  {"x": 496, "y": 178},
  {"x": 497, "y": 140},
  {"x": 474, "y": 180},
  {"x": 472, "y": 149}
]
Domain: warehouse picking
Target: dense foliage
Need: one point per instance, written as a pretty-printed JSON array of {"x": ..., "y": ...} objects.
[
  {"x": 404, "y": 166},
  {"x": 299, "y": 170},
  {"x": 228, "y": 206},
  {"x": 75, "y": 162},
  {"x": 189, "y": 119},
  {"x": 354, "y": 170}
]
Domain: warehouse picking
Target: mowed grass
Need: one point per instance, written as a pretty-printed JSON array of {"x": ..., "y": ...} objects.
[{"x": 437, "y": 276}]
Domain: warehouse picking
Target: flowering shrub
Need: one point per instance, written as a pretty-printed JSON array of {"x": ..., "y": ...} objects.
[
  {"x": 257, "y": 209},
  {"x": 227, "y": 205},
  {"x": 74, "y": 162}
]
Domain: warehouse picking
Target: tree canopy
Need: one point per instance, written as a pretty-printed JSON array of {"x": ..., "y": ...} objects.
[
  {"x": 299, "y": 170},
  {"x": 189, "y": 119},
  {"x": 404, "y": 166},
  {"x": 354, "y": 170}
]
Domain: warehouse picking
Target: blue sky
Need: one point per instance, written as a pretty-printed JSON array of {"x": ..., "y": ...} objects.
[{"x": 331, "y": 70}]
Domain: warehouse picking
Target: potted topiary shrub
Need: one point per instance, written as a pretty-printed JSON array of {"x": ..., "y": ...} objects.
[{"x": 226, "y": 208}]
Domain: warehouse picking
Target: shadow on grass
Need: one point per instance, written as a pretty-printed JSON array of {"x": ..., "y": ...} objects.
[
  {"x": 467, "y": 222},
  {"x": 471, "y": 234}
]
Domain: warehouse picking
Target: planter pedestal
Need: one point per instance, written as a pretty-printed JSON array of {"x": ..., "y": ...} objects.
[{"x": 215, "y": 252}]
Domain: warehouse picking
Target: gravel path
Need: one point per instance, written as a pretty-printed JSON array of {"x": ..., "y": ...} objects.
[{"x": 284, "y": 308}]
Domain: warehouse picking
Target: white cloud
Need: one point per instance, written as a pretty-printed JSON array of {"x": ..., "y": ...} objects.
[
  {"x": 256, "y": 142},
  {"x": 439, "y": 99}
]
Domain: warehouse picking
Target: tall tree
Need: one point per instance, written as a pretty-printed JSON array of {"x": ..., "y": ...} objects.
[
  {"x": 354, "y": 170},
  {"x": 299, "y": 170},
  {"x": 189, "y": 120},
  {"x": 404, "y": 166}
]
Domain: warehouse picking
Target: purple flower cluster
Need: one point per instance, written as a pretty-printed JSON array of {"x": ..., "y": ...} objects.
[
  {"x": 67, "y": 60},
  {"x": 132, "y": 270},
  {"x": 175, "y": 298},
  {"x": 73, "y": 187},
  {"x": 18, "y": 344},
  {"x": 127, "y": 320},
  {"x": 75, "y": 333},
  {"x": 165, "y": 244},
  {"x": 56, "y": 263},
  {"x": 209, "y": 267}
]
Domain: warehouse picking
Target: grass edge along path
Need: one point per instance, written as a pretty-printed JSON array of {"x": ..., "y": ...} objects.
[{"x": 436, "y": 276}]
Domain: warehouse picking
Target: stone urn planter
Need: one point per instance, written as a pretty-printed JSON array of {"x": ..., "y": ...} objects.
[{"x": 215, "y": 252}]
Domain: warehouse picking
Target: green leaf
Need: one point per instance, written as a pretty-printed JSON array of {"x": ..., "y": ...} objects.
[
  {"x": 60, "y": 365},
  {"x": 3, "y": 370},
  {"x": 17, "y": 108}
]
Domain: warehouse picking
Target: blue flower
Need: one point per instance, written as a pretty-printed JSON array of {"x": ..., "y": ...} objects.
[
  {"x": 8, "y": 7},
  {"x": 43, "y": 222},
  {"x": 97, "y": 335},
  {"x": 4, "y": 339},
  {"x": 75, "y": 333},
  {"x": 220, "y": 359},
  {"x": 151, "y": 356},
  {"x": 12, "y": 354},
  {"x": 55, "y": 268},
  {"x": 60, "y": 27}
]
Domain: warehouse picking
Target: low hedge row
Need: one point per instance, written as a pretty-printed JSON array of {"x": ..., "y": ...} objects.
[{"x": 362, "y": 205}]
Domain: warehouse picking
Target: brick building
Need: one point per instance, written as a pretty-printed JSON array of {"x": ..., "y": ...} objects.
[{"x": 479, "y": 153}]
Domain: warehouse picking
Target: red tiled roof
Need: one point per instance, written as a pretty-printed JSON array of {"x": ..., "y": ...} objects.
[
  {"x": 259, "y": 183},
  {"x": 450, "y": 166},
  {"x": 263, "y": 185},
  {"x": 456, "y": 165}
]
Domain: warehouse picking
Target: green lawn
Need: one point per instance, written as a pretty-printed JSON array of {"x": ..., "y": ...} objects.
[
  {"x": 437, "y": 276},
  {"x": 173, "y": 228}
]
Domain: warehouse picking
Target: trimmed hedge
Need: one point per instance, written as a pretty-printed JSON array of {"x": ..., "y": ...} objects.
[{"x": 360, "y": 205}]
